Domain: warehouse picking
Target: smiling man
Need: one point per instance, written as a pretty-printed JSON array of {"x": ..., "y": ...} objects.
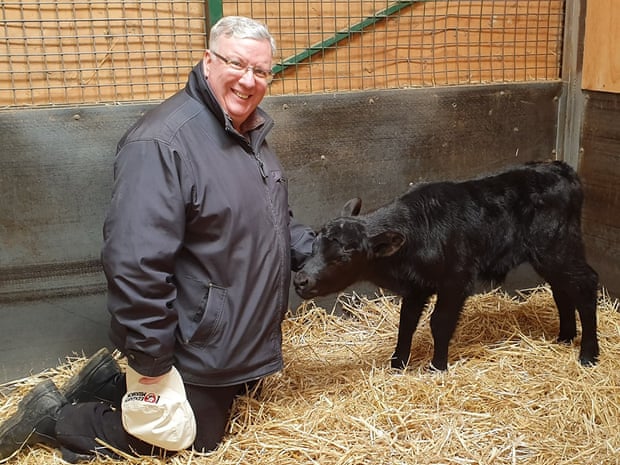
[{"x": 199, "y": 244}]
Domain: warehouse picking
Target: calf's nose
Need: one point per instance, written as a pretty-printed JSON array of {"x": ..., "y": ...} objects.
[{"x": 301, "y": 280}]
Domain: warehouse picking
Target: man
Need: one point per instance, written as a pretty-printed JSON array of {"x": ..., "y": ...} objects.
[{"x": 199, "y": 245}]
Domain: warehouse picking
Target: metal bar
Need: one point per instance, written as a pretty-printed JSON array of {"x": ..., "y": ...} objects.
[
  {"x": 340, "y": 36},
  {"x": 215, "y": 11}
]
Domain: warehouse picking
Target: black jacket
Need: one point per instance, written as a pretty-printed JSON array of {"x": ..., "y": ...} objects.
[{"x": 199, "y": 243}]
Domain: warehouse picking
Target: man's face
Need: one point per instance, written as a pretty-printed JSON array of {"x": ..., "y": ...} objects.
[{"x": 239, "y": 92}]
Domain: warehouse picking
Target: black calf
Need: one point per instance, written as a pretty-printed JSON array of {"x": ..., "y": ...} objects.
[{"x": 440, "y": 238}]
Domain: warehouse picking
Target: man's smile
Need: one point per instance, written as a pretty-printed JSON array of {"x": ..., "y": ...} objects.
[{"x": 240, "y": 95}]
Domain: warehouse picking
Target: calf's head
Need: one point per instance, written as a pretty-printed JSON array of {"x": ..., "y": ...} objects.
[{"x": 343, "y": 251}]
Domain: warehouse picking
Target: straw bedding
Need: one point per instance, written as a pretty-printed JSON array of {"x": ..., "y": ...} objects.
[{"x": 511, "y": 395}]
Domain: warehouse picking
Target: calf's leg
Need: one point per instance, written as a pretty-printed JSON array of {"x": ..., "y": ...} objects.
[
  {"x": 566, "y": 310},
  {"x": 575, "y": 286},
  {"x": 410, "y": 312},
  {"x": 443, "y": 323},
  {"x": 585, "y": 300}
]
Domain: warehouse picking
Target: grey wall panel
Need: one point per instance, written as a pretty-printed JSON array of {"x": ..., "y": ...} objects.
[
  {"x": 55, "y": 182},
  {"x": 57, "y": 164},
  {"x": 56, "y": 175},
  {"x": 374, "y": 144}
]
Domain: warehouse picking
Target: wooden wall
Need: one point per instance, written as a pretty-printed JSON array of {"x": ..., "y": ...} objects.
[
  {"x": 600, "y": 172},
  {"x": 600, "y": 139}
]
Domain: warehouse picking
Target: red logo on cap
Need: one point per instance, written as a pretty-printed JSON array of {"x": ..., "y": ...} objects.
[{"x": 151, "y": 398}]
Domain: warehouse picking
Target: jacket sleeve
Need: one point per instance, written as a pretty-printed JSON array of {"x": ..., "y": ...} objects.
[
  {"x": 301, "y": 242},
  {"x": 142, "y": 233}
]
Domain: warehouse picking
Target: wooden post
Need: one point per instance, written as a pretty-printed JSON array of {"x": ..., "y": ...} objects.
[{"x": 571, "y": 103}]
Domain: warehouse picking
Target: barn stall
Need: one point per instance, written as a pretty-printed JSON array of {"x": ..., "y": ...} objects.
[{"x": 369, "y": 97}]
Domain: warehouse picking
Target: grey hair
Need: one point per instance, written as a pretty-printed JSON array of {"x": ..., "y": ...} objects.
[{"x": 240, "y": 27}]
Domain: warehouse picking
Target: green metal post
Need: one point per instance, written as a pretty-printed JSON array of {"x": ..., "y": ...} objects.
[{"x": 215, "y": 11}]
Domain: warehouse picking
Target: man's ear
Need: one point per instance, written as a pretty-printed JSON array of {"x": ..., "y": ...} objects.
[
  {"x": 386, "y": 243},
  {"x": 206, "y": 61},
  {"x": 352, "y": 207}
]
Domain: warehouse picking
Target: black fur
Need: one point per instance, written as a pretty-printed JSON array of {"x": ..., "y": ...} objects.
[{"x": 442, "y": 237}]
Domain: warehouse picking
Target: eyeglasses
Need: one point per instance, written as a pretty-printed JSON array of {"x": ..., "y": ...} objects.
[{"x": 236, "y": 65}]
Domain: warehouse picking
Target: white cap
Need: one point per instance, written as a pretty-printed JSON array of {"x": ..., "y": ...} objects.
[{"x": 159, "y": 414}]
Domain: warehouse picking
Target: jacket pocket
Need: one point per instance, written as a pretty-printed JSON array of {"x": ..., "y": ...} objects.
[{"x": 206, "y": 321}]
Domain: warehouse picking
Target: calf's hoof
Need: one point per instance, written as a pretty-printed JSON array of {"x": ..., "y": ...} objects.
[
  {"x": 434, "y": 369},
  {"x": 438, "y": 365},
  {"x": 565, "y": 340},
  {"x": 588, "y": 355},
  {"x": 398, "y": 363},
  {"x": 588, "y": 360}
]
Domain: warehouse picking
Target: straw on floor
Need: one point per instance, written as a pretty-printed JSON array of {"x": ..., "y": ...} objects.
[{"x": 511, "y": 395}]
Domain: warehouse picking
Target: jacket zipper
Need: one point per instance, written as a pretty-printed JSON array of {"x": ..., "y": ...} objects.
[{"x": 261, "y": 166}]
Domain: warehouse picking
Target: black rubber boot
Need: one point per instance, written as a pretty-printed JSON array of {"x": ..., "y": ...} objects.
[
  {"x": 96, "y": 381},
  {"x": 34, "y": 421}
]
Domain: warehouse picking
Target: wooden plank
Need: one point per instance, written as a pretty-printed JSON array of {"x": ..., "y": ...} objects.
[
  {"x": 601, "y": 55},
  {"x": 600, "y": 173}
]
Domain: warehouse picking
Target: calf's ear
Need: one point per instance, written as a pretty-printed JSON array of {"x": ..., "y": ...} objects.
[
  {"x": 352, "y": 207},
  {"x": 386, "y": 243}
]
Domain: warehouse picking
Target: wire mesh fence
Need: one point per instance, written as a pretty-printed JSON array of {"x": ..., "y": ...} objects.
[
  {"x": 342, "y": 45},
  {"x": 109, "y": 51},
  {"x": 97, "y": 50}
]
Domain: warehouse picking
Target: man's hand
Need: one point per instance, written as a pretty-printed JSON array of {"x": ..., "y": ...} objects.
[{"x": 150, "y": 380}]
